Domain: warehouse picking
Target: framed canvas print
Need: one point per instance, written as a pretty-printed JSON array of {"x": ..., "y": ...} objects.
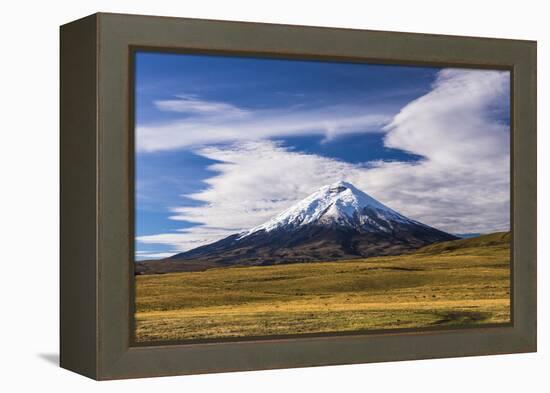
[{"x": 240, "y": 196}]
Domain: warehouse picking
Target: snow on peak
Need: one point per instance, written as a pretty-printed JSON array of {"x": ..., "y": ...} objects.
[{"x": 339, "y": 203}]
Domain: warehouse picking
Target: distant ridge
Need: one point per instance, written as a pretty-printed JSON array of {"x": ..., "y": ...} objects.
[
  {"x": 491, "y": 240},
  {"x": 467, "y": 235}
]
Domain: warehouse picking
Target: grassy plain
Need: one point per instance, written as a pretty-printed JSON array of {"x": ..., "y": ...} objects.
[{"x": 464, "y": 282}]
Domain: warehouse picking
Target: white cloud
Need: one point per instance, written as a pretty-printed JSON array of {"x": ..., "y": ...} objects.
[
  {"x": 192, "y": 105},
  {"x": 457, "y": 112},
  {"x": 217, "y": 122},
  {"x": 186, "y": 239},
  {"x": 141, "y": 255},
  {"x": 464, "y": 183},
  {"x": 461, "y": 185},
  {"x": 255, "y": 181}
]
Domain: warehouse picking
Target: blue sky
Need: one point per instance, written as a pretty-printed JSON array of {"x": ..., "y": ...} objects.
[{"x": 225, "y": 142}]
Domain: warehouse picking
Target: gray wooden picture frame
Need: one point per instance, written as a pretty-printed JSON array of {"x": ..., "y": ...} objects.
[{"x": 97, "y": 194}]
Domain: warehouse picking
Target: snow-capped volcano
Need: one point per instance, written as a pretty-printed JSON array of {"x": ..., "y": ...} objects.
[
  {"x": 338, "y": 221},
  {"x": 338, "y": 204}
]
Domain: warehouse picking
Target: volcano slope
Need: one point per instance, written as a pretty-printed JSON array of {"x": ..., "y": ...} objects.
[
  {"x": 459, "y": 283},
  {"x": 338, "y": 221}
]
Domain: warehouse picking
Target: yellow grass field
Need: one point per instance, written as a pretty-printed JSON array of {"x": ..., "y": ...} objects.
[{"x": 459, "y": 283}]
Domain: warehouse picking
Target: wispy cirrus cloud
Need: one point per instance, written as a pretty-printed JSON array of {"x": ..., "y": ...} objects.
[{"x": 461, "y": 185}]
